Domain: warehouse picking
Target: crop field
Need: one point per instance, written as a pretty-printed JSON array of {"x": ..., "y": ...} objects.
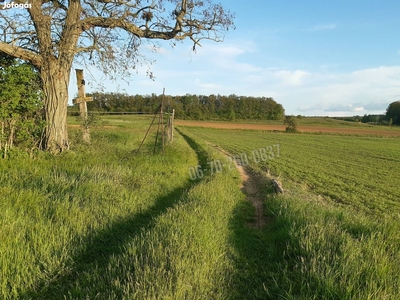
[
  {"x": 103, "y": 221},
  {"x": 341, "y": 209},
  {"x": 326, "y": 126},
  {"x": 358, "y": 171}
]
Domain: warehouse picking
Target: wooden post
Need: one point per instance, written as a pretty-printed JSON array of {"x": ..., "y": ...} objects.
[
  {"x": 162, "y": 120},
  {"x": 172, "y": 125},
  {"x": 81, "y": 100},
  {"x": 158, "y": 128}
]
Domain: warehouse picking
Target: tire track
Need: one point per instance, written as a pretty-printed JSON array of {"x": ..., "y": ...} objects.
[{"x": 250, "y": 186}]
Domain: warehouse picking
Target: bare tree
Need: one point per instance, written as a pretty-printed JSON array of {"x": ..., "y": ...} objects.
[{"x": 52, "y": 34}]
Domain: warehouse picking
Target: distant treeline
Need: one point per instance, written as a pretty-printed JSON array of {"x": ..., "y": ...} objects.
[
  {"x": 392, "y": 116},
  {"x": 372, "y": 119},
  {"x": 189, "y": 106}
]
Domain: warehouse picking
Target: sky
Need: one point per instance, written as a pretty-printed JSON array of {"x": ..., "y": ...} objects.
[{"x": 316, "y": 58}]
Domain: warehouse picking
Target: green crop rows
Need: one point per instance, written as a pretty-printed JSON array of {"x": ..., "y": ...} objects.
[{"x": 351, "y": 170}]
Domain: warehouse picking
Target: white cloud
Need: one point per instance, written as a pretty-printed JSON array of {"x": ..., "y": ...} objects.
[
  {"x": 224, "y": 50},
  {"x": 367, "y": 91},
  {"x": 230, "y": 50},
  {"x": 207, "y": 86},
  {"x": 377, "y": 75},
  {"x": 358, "y": 109},
  {"x": 292, "y": 78}
]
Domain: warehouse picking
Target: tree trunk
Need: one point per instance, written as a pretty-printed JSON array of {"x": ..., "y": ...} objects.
[
  {"x": 55, "y": 86},
  {"x": 2, "y": 135},
  {"x": 11, "y": 136}
]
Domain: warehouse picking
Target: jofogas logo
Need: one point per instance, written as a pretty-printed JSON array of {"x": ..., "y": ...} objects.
[{"x": 8, "y": 5}]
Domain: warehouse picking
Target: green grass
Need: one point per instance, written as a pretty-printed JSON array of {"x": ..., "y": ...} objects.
[
  {"x": 351, "y": 170},
  {"x": 334, "y": 233},
  {"x": 105, "y": 222},
  {"x": 108, "y": 223}
]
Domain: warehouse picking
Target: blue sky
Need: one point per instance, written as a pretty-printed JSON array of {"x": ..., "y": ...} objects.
[{"x": 329, "y": 58}]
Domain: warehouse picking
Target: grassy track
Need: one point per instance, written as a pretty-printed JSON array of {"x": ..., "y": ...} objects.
[
  {"x": 105, "y": 223},
  {"x": 335, "y": 231}
]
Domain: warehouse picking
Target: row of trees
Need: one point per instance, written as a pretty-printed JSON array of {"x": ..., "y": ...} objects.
[
  {"x": 392, "y": 116},
  {"x": 371, "y": 119},
  {"x": 374, "y": 119},
  {"x": 189, "y": 106},
  {"x": 21, "y": 110}
]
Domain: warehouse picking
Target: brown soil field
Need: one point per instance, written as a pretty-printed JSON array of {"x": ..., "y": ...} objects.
[{"x": 341, "y": 130}]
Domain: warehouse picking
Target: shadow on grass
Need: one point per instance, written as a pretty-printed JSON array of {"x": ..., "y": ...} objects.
[
  {"x": 97, "y": 250},
  {"x": 202, "y": 155}
]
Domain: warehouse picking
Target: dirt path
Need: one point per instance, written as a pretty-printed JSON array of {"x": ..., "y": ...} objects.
[
  {"x": 250, "y": 186},
  {"x": 343, "y": 130}
]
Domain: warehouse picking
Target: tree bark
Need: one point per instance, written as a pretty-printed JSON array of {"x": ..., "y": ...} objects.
[
  {"x": 55, "y": 86},
  {"x": 11, "y": 136}
]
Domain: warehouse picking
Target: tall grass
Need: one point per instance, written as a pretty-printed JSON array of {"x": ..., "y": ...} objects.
[
  {"x": 52, "y": 206},
  {"x": 324, "y": 252},
  {"x": 108, "y": 223}
]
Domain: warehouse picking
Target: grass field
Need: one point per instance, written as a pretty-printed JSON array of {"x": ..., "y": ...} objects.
[
  {"x": 338, "y": 221},
  {"x": 105, "y": 222},
  {"x": 357, "y": 171}
]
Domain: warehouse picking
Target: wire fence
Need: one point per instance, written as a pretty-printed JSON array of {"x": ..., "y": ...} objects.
[{"x": 76, "y": 113}]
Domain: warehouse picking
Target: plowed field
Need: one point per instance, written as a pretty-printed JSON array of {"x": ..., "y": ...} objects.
[{"x": 343, "y": 130}]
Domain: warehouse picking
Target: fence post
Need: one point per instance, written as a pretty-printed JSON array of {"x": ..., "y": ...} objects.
[
  {"x": 81, "y": 100},
  {"x": 172, "y": 125}
]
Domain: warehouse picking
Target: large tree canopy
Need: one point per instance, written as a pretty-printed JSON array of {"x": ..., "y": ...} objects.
[
  {"x": 393, "y": 112},
  {"x": 51, "y": 34}
]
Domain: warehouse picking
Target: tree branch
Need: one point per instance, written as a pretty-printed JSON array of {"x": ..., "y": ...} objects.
[
  {"x": 86, "y": 49},
  {"x": 23, "y": 54},
  {"x": 123, "y": 23}
]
